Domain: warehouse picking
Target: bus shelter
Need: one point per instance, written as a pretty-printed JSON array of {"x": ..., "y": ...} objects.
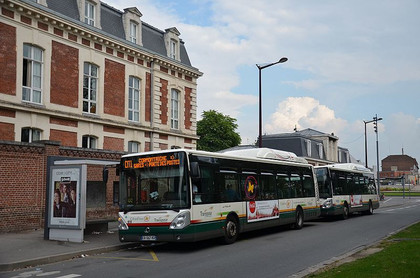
[{"x": 66, "y": 198}]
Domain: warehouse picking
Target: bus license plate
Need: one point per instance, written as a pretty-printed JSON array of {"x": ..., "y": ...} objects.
[{"x": 148, "y": 238}]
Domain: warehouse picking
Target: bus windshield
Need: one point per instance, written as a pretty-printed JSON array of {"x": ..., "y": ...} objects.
[
  {"x": 154, "y": 182},
  {"x": 324, "y": 183}
]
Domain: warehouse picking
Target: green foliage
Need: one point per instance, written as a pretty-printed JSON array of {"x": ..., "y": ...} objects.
[{"x": 217, "y": 132}]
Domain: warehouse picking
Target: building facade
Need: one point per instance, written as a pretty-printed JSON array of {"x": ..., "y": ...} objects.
[
  {"x": 91, "y": 76},
  {"x": 82, "y": 80},
  {"x": 394, "y": 167}
]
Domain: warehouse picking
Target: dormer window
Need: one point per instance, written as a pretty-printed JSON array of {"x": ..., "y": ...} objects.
[
  {"x": 89, "y": 13},
  {"x": 172, "y": 40},
  {"x": 132, "y": 25},
  {"x": 133, "y": 31}
]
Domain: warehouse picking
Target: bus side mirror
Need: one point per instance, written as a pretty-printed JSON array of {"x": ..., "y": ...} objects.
[{"x": 195, "y": 171}]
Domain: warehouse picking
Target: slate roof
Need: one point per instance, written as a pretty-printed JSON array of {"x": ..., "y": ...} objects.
[
  {"x": 307, "y": 133},
  {"x": 112, "y": 25}
]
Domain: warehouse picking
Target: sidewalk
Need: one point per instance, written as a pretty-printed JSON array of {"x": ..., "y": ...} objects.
[{"x": 24, "y": 249}]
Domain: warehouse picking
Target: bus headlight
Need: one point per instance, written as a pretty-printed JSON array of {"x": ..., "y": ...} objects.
[
  {"x": 327, "y": 204},
  {"x": 121, "y": 224},
  {"x": 181, "y": 221}
]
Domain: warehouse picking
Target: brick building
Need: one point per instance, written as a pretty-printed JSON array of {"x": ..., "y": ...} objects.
[
  {"x": 92, "y": 78},
  {"x": 396, "y": 166},
  {"x": 87, "y": 75}
]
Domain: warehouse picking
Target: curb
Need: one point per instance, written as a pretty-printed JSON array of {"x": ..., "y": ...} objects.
[{"x": 63, "y": 257}]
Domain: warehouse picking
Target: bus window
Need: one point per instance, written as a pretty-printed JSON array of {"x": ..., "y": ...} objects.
[
  {"x": 324, "y": 183},
  {"x": 371, "y": 185},
  {"x": 339, "y": 183},
  {"x": 283, "y": 185},
  {"x": 267, "y": 186},
  {"x": 365, "y": 183},
  {"x": 308, "y": 183},
  {"x": 228, "y": 181},
  {"x": 296, "y": 186},
  {"x": 206, "y": 188}
]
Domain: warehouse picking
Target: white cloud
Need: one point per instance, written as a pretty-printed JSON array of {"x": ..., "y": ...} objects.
[{"x": 304, "y": 112}]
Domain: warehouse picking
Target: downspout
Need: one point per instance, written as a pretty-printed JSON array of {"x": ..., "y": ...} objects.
[{"x": 152, "y": 120}]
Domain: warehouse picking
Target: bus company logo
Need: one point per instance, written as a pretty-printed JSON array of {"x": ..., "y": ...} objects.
[
  {"x": 252, "y": 206},
  {"x": 146, "y": 218},
  {"x": 250, "y": 187}
]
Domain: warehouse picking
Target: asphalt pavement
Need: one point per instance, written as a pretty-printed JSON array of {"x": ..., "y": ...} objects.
[{"x": 29, "y": 248}]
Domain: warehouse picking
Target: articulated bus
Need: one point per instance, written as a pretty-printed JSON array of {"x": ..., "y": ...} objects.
[
  {"x": 346, "y": 188},
  {"x": 185, "y": 195}
]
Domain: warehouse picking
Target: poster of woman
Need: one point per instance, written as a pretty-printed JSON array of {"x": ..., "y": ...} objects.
[{"x": 64, "y": 197}]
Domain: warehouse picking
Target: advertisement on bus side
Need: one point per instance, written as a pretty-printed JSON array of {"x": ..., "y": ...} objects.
[{"x": 262, "y": 210}]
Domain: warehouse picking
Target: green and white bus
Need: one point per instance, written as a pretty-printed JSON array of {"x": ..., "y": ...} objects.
[
  {"x": 346, "y": 188},
  {"x": 185, "y": 195}
]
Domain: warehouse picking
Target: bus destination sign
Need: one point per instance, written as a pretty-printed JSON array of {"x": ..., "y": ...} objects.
[{"x": 151, "y": 162}]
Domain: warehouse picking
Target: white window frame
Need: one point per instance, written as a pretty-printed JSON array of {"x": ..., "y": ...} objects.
[
  {"x": 321, "y": 151},
  {"x": 32, "y": 73},
  {"x": 134, "y": 85},
  {"x": 308, "y": 148},
  {"x": 90, "y": 88},
  {"x": 133, "y": 31},
  {"x": 133, "y": 147},
  {"x": 91, "y": 142},
  {"x": 90, "y": 10},
  {"x": 34, "y": 134},
  {"x": 175, "y": 96},
  {"x": 173, "y": 49}
]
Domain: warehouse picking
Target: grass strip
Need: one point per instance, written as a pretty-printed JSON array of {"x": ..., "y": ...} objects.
[{"x": 399, "y": 257}]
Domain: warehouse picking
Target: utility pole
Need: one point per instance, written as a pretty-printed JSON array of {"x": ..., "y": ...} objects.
[{"x": 375, "y": 126}]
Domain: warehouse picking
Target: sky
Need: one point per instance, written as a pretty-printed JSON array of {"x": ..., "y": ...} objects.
[{"x": 348, "y": 61}]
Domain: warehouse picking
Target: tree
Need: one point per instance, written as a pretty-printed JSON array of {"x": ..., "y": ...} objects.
[{"x": 217, "y": 132}]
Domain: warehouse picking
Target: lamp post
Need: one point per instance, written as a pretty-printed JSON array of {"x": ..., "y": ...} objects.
[
  {"x": 260, "y": 68},
  {"x": 366, "y": 159}
]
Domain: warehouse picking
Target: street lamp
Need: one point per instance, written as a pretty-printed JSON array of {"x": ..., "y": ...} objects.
[
  {"x": 366, "y": 160},
  {"x": 260, "y": 68}
]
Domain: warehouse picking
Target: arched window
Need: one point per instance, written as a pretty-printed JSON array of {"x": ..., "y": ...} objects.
[
  {"x": 89, "y": 142},
  {"x": 133, "y": 147},
  {"x": 32, "y": 73}
]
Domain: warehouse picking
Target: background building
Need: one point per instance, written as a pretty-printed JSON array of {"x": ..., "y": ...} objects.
[
  {"x": 394, "y": 167},
  {"x": 81, "y": 79},
  {"x": 316, "y": 147}
]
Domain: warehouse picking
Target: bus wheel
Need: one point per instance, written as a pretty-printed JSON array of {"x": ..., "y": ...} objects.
[
  {"x": 299, "y": 219},
  {"x": 345, "y": 214},
  {"x": 231, "y": 230}
]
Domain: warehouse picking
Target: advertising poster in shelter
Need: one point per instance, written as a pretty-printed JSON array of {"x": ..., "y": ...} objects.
[{"x": 64, "y": 197}]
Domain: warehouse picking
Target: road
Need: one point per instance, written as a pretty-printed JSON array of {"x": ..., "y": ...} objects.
[{"x": 278, "y": 252}]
